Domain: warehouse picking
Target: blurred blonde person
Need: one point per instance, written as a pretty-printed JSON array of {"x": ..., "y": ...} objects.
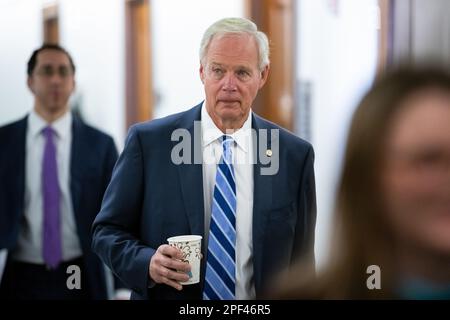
[{"x": 393, "y": 199}]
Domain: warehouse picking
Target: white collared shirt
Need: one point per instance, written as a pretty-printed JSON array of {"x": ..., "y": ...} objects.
[
  {"x": 243, "y": 169},
  {"x": 29, "y": 245}
]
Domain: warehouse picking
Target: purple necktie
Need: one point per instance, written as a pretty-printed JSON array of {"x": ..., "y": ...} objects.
[{"x": 51, "y": 248}]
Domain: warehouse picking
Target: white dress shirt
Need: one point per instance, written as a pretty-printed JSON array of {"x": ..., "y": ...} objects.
[
  {"x": 243, "y": 169},
  {"x": 29, "y": 245}
]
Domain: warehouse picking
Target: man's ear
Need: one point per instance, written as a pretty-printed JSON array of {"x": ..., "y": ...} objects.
[
  {"x": 30, "y": 83},
  {"x": 264, "y": 76},
  {"x": 202, "y": 73}
]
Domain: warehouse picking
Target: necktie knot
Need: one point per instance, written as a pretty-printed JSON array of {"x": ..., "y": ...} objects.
[
  {"x": 48, "y": 132},
  {"x": 227, "y": 143}
]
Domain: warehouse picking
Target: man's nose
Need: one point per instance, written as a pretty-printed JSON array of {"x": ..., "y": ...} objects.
[
  {"x": 56, "y": 78},
  {"x": 229, "y": 82}
]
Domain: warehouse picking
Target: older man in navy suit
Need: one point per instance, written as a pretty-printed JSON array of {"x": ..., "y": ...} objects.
[
  {"x": 54, "y": 170},
  {"x": 217, "y": 170}
]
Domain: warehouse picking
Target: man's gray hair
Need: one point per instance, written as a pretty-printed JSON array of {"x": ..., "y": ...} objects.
[{"x": 237, "y": 26}]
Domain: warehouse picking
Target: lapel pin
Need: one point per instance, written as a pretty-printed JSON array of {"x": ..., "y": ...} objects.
[{"x": 268, "y": 152}]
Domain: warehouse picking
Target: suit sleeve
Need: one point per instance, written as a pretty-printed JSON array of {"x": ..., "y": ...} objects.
[
  {"x": 110, "y": 161},
  {"x": 307, "y": 211},
  {"x": 116, "y": 227}
]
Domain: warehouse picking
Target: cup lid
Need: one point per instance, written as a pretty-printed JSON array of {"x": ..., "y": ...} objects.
[{"x": 184, "y": 238}]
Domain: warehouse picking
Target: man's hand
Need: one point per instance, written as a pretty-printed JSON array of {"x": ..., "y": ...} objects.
[{"x": 165, "y": 264}]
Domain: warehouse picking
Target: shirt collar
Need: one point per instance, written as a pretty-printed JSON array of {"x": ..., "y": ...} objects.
[
  {"x": 211, "y": 133},
  {"x": 62, "y": 125}
]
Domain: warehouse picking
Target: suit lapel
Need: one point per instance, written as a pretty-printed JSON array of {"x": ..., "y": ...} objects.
[
  {"x": 76, "y": 162},
  {"x": 262, "y": 199},
  {"x": 191, "y": 175},
  {"x": 21, "y": 162}
]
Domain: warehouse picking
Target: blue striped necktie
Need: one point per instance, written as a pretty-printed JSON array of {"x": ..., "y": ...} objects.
[{"x": 221, "y": 257}]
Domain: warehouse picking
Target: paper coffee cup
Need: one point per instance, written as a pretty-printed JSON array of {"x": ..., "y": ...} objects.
[{"x": 190, "y": 245}]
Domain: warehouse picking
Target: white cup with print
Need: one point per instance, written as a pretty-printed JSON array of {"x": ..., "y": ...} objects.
[{"x": 190, "y": 245}]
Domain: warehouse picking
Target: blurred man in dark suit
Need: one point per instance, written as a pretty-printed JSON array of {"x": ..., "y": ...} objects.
[{"x": 54, "y": 170}]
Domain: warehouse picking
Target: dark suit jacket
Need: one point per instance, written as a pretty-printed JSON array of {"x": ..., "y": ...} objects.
[
  {"x": 150, "y": 199},
  {"x": 93, "y": 155}
]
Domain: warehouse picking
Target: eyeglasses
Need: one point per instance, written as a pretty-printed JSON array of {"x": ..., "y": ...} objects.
[{"x": 49, "y": 71}]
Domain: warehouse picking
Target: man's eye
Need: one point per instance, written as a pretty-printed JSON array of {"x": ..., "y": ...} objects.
[
  {"x": 48, "y": 71},
  {"x": 217, "y": 71},
  {"x": 63, "y": 71},
  {"x": 242, "y": 73}
]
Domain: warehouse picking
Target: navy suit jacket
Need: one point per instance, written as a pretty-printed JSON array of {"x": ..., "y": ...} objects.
[
  {"x": 150, "y": 199},
  {"x": 93, "y": 155}
]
